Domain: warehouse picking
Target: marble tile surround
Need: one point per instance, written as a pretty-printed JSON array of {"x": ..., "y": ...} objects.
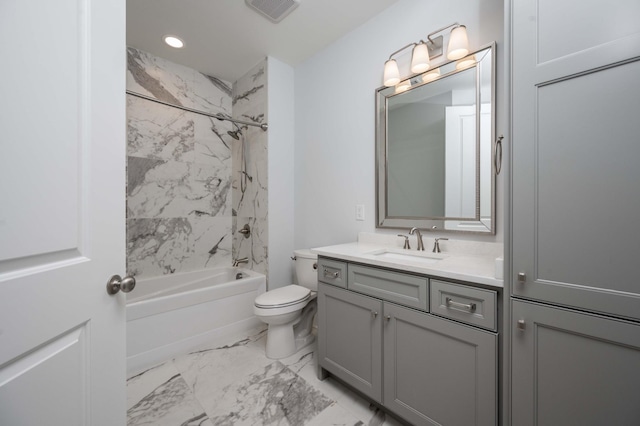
[
  {"x": 179, "y": 169},
  {"x": 250, "y": 192},
  {"x": 237, "y": 385}
]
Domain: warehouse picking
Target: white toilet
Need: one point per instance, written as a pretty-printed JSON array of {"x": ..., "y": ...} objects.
[{"x": 289, "y": 310}]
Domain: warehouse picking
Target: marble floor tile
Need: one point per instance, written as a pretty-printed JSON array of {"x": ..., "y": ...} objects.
[
  {"x": 237, "y": 384},
  {"x": 171, "y": 403}
]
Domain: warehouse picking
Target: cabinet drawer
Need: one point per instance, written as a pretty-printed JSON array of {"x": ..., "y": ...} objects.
[
  {"x": 463, "y": 303},
  {"x": 408, "y": 290},
  {"x": 332, "y": 272}
]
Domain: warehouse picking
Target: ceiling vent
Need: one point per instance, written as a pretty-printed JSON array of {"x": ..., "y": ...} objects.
[{"x": 274, "y": 10}]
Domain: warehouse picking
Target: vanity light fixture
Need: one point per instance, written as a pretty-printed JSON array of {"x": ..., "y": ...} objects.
[
  {"x": 424, "y": 51},
  {"x": 173, "y": 41}
]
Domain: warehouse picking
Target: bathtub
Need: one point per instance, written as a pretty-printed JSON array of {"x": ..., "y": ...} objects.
[{"x": 173, "y": 314}]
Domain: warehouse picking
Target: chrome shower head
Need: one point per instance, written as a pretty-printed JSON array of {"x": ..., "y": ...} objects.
[{"x": 235, "y": 133}]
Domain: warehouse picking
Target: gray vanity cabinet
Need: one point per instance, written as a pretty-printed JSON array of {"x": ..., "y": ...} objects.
[
  {"x": 436, "y": 371},
  {"x": 350, "y": 338},
  {"x": 427, "y": 369},
  {"x": 574, "y": 368}
]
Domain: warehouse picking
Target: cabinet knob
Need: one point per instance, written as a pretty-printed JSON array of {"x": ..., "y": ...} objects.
[
  {"x": 387, "y": 317},
  {"x": 522, "y": 277},
  {"x": 374, "y": 314},
  {"x": 521, "y": 325}
]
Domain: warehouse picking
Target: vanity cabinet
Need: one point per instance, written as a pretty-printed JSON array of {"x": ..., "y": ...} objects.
[
  {"x": 436, "y": 371},
  {"x": 350, "y": 338},
  {"x": 378, "y": 336}
]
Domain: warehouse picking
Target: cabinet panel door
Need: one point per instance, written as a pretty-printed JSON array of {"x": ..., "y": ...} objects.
[
  {"x": 576, "y": 197},
  {"x": 350, "y": 338},
  {"x": 571, "y": 368},
  {"x": 438, "y": 372}
]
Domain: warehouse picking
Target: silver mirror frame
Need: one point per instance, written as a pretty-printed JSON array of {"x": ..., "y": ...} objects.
[{"x": 467, "y": 225}]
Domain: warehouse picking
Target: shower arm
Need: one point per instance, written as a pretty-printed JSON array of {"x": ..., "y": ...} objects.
[{"x": 263, "y": 126}]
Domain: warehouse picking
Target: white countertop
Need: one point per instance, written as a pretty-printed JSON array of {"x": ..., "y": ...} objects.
[{"x": 464, "y": 267}]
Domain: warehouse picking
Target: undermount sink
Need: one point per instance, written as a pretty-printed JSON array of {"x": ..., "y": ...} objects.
[{"x": 406, "y": 256}]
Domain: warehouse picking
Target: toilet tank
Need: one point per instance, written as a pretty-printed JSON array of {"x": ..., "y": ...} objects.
[{"x": 306, "y": 269}]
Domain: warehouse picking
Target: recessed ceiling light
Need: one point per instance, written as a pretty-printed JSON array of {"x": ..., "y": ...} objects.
[{"x": 173, "y": 41}]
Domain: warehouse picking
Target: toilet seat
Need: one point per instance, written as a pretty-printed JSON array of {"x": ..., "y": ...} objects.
[{"x": 283, "y": 297}]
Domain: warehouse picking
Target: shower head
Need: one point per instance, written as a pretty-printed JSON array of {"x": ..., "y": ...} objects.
[{"x": 235, "y": 134}]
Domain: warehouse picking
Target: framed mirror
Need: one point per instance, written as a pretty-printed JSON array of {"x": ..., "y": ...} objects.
[{"x": 435, "y": 136}]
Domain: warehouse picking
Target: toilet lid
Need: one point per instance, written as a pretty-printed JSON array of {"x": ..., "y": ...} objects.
[{"x": 284, "y": 296}]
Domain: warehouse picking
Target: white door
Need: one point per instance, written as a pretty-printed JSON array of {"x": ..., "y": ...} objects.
[{"x": 62, "y": 235}]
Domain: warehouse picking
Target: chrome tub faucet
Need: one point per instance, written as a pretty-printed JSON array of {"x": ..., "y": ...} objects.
[{"x": 237, "y": 262}]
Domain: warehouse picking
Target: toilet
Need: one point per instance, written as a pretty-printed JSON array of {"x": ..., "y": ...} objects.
[{"x": 289, "y": 310}]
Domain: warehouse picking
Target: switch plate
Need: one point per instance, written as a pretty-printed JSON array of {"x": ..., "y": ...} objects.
[{"x": 359, "y": 211}]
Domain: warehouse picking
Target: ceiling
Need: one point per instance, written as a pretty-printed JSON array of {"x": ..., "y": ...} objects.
[{"x": 225, "y": 38}]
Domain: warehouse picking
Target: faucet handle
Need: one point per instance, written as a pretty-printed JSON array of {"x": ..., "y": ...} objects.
[
  {"x": 436, "y": 244},
  {"x": 406, "y": 241}
]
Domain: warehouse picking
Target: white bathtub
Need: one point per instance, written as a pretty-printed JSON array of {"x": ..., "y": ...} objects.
[{"x": 174, "y": 314}]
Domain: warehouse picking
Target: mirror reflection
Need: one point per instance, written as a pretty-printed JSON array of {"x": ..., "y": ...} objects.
[{"x": 433, "y": 143}]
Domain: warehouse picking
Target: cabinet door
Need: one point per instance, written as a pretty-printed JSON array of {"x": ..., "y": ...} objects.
[
  {"x": 350, "y": 338},
  {"x": 438, "y": 372},
  {"x": 572, "y": 368},
  {"x": 575, "y": 153}
]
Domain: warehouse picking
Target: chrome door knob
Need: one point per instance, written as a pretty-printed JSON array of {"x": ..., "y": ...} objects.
[{"x": 116, "y": 283}]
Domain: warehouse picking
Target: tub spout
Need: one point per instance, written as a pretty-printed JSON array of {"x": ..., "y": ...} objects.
[{"x": 237, "y": 262}]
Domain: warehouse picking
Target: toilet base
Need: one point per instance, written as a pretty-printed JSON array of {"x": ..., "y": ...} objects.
[{"x": 286, "y": 339}]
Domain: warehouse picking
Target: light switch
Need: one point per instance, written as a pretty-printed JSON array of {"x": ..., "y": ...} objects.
[{"x": 359, "y": 211}]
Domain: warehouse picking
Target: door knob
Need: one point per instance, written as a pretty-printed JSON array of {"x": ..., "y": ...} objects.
[{"x": 116, "y": 283}]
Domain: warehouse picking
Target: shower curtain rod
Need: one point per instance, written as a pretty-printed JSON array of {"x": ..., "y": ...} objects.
[{"x": 221, "y": 117}]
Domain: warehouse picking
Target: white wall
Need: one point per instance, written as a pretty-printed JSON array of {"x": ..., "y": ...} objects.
[
  {"x": 281, "y": 119},
  {"x": 335, "y": 122}
]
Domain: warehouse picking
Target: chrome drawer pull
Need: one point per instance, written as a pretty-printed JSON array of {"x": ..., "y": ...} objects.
[
  {"x": 329, "y": 274},
  {"x": 470, "y": 307}
]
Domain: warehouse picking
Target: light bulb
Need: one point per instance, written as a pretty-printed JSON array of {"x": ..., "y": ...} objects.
[
  {"x": 403, "y": 86},
  {"x": 420, "y": 58},
  {"x": 466, "y": 62},
  {"x": 458, "y": 43},
  {"x": 391, "y": 73},
  {"x": 431, "y": 75}
]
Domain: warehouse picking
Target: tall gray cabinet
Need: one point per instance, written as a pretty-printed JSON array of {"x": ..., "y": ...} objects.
[{"x": 575, "y": 212}]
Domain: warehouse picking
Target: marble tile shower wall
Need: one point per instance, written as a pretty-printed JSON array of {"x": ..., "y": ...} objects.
[
  {"x": 179, "y": 211},
  {"x": 250, "y": 189}
]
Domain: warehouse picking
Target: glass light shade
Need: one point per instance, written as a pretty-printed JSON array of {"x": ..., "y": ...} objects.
[
  {"x": 458, "y": 43},
  {"x": 466, "y": 62},
  {"x": 431, "y": 75},
  {"x": 420, "y": 58},
  {"x": 173, "y": 41},
  {"x": 391, "y": 73},
  {"x": 403, "y": 86}
]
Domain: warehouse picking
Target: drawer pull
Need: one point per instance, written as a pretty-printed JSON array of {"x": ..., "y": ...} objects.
[
  {"x": 332, "y": 275},
  {"x": 471, "y": 307}
]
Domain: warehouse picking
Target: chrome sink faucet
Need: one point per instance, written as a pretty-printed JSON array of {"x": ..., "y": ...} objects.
[{"x": 419, "y": 236}]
